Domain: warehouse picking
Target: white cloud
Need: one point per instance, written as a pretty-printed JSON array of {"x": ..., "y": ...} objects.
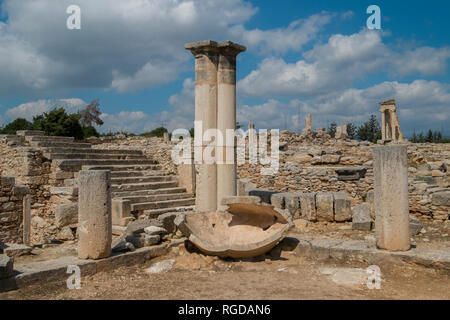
[
  {"x": 127, "y": 45},
  {"x": 422, "y": 105},
  {"x": 31, "y": 109},
  {"x": 337, "y": 64},
  {"x": 127, "y": 121},
  {"x": 280, "y": 40}
]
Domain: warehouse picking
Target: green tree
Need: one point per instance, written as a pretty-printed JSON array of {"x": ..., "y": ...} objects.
[
  {"x": 58, "y": 123},
  {"x": 332, "y": 129},
  {"x": 351, "y": 130},
  {"x": 370, "y": 130},
  {"x": 429, "y": 136},
  {"x": 18, "y": 124}
]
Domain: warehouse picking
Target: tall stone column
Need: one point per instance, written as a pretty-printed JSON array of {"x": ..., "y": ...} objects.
[
  {"x": 94, "y": 214},
  {"x": 206, "y": 60},
  {"x": 391, "y": 197},
  {"x": 226, "y": 119},
  {"x": 383, "y": 126}
]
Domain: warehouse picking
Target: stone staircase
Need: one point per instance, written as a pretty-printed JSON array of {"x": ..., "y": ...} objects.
[{"x": 137, "y": 182}]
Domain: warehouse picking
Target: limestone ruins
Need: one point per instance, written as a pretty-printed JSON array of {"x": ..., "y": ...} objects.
[
  {"x": 390, "y": 127},
  {"x": 117, "y": 201}
]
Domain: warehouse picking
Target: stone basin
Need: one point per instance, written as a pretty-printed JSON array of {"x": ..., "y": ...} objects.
[{"x": 247, "y": 229}]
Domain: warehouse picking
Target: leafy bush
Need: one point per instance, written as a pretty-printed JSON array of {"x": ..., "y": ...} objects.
[
  {"x": 16, "y": 125},
  {"x": 158, "y": 132}
]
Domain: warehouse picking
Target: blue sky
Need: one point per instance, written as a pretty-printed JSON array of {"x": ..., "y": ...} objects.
[{"x": 303, "y": 57}]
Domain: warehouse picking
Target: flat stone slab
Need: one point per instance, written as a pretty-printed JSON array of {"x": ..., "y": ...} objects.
[
  {"x": 362, "y": 251},
  {"x": 56, "y": 270},
  {"x": 15, "y": 250}
]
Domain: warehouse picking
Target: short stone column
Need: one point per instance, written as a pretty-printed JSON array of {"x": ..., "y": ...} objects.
[
  {"x": 391, "y": 197},
  {"x": 226, "y": 120},
  {"x": 206, "y": 59},
  {"x": 94, "y": 214}
]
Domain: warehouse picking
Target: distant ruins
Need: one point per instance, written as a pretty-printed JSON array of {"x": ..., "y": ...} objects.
[{"x": 390, "y": 127}]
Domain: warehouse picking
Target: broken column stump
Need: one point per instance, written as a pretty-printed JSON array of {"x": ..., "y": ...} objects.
[
  {"x": 94, "y": 214},
  {"x": 391, "y": 197}
]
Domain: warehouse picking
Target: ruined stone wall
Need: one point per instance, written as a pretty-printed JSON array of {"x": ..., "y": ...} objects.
[
  {"x": 29, "y": 168},
  {"x": 11, "y": 210}
]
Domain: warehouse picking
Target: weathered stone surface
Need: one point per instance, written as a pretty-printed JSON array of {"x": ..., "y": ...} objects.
[
  {"x": 153, "y": 230},
  {"x": 66, "y": 214},
  {"x": 361, "y": 217},
  {"x": 441, "y": 198},
  {"x": 391, "y": 197},
  {"x": 167, "y": 220},
  {"x": 325, "y": 206},
  {"x": 94, "y": 214},
  {"x": 65, "y": 234},
  {"x": 16, "y": 250},
  {"x": 264, "y": 195},
  {"x": 292, "y": 204},
  {"x": 244, "y": 187},
  {"x": 351, "y": 173},
  {"x": 6, "y": 266},
  {"x": 308, "y": 206},
  {"x": 415, "y": 226},
  {"x": 342, "y": 207},
  {"x": 161, "y": 267}
]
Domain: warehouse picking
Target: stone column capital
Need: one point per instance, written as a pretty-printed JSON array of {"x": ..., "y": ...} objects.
[{"x": 209, "y": 46}]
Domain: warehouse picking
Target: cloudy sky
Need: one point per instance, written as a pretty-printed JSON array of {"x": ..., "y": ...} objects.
[{"x": 303, "y": 57}]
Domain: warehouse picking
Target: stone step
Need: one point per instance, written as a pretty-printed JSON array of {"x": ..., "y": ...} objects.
[
  {"x": 162, "y": 204},
  {"x": 83, "y": 156},
  {"x": 124, "y": 194},
  {"x": 154, "y": 213},
  {"x": 24, "y": 133},
  {"x": 49, "y": 139},
  {"x": 77, "y": 164},
  {"x": 158, "y": 197},
  {"x": 127, "y": 174},
  {"x": 46, "y": 144},
  {"x": 122, "y": 168},
  {"x": 144, "y": 186},
  {"x": 130, "y": 180},
  {"x": 91, "y": 151}
]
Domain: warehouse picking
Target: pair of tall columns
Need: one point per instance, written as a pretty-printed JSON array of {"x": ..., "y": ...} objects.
[{"x": 215, "y": 108}]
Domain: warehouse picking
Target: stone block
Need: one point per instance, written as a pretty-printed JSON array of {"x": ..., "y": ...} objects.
[
  {"x": 415, "y": 226},
  {"x": 20, "y": 191},
  {"x": 66, "y": 214},
  {"x": 325, "y": 206},
  {"x": 16, "y": 250},
  {"x": 121, "y": 211},
  {"x": 154, "y": 230},
  {"x": 6, "y": 266},
  {"x": 308, "y": 206},
  {"x": 264, "y": 195},
  {"x": 168, "y": 221},
  {"x": 441, "y": 198},
  {"x": 244, "y": 186},
  {"x": 292, "y": 204},
  {"x": 361, "y": 217},
  {"x": 342, "y": 207},
  {"x": 7, "y": 181}
]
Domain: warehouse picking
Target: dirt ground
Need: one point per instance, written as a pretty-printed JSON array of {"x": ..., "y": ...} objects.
[{"x": 290, "y": 277}]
